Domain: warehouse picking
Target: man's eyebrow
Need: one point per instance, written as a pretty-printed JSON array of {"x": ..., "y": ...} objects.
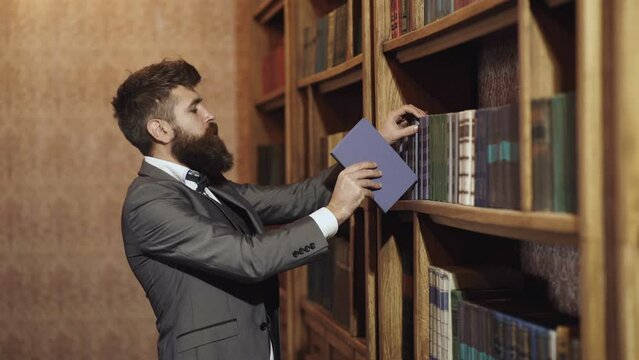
[{"x": 195, "y": 102}]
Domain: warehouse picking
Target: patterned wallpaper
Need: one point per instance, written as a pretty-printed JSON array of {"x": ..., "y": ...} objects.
[
  {"x": 66, "y": 291},
  {"x": 558, "y": 265}
]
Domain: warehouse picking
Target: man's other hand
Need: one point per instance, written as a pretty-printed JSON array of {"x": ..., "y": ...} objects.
[
  {"x": 353, "y": 185},
  {"x": 396, "y": 125}
]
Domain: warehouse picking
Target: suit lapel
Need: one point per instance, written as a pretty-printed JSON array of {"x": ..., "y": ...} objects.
[
  {"x": 149, "y": 170},
  {"x": 224, "y": 190}
]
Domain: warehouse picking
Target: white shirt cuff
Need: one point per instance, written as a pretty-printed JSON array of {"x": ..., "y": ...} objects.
[{"x": 326, "y": 221}]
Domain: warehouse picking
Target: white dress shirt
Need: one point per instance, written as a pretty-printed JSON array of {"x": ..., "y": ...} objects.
[{"x": 324, "y": 218}]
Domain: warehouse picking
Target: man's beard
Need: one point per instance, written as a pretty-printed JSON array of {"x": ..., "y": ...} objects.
[{"x": 206, "y": 154}]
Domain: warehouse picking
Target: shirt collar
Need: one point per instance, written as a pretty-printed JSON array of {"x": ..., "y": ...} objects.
[{"x": 176, "y": 170}]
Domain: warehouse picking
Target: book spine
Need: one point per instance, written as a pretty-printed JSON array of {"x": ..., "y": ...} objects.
[
  {"x": 431, "y": 312},
  {"x": 480, "y": 158},
  {"x": 321, "y": 44},
  {"x": 563, "y": 134},
  {"x": 330, "y": 45},
  {"x": 418, "y": 13},
  {"x": 450, "y": 143},
  {"x": 405, "y": 17},
  {"x": 542, "y": 156},
  {"x": 350, "y": 29},
  {"x": 395, "y": 20}
]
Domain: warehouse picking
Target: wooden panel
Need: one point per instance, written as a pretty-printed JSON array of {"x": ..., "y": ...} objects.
[
  {"x": 342, "y": 69},
  {"x": 370, "y": 237},
  {"x": 525, "y": 141},
  {"x": 338, "y": 349},
  {"x": 271, "y": 101},
  {"x": 267, "y": 9},
  {"x": 314, "y": 314},
  {"x": 295, "y": 14},
  {"x": 625, "y": 125},
  {"x": 317, "y": 345},
  {"x": 535, "y": 226},
  {"x": 421, "y": 285},
  {"x": 389, "y": 298}
]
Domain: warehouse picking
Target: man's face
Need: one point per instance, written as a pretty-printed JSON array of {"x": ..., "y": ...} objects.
[{"x": 196, "y": 143}]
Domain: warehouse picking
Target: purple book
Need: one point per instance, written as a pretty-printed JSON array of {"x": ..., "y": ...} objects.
[{"x": 364, "y": 143}]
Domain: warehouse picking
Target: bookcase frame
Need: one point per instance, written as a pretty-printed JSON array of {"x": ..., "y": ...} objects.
[{"x": 604, "y": 228}]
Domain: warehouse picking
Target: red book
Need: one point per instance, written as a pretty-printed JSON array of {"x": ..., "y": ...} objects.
[{"x": 396, "y": 29}]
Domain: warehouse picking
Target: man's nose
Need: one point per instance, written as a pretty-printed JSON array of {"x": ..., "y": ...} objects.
[{"x": 208, "y": 117}]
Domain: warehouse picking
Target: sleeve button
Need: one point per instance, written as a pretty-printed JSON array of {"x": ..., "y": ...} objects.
[
  {"x": 295, "y": 253},
  {"x": 312, "y": 246}
]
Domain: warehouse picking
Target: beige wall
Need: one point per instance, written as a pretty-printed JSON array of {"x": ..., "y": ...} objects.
[{"x": 66, "y": 291}]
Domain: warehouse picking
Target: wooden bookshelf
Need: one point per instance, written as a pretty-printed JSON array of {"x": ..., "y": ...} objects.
[
  {"x": 470, "y": 22},
  {"x": 337, "y": 77},
  {"x": 316, "y": 314},
  {"x": 267, "y": 10},
  {"x": 561, "y": 46},
  {"x": 271, "y": 101},
  {"x": 534, "y": 226}
]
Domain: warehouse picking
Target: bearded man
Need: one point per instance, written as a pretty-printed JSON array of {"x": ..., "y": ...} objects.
[{"x": 196, "y": 241}]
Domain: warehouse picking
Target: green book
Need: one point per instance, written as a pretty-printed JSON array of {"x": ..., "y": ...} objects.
[{"x": 563, "y": 152}]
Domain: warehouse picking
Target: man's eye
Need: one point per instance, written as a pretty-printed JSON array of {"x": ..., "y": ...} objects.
[{"x": 194, "y": 110}]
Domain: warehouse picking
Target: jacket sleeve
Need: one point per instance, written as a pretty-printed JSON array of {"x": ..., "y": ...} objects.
[
  {"x": 286, "y": 203},
  {"x": 162, "y": 223}
]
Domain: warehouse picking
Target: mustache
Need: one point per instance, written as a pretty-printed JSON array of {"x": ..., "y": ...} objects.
[{"x": 212, "y": 129}]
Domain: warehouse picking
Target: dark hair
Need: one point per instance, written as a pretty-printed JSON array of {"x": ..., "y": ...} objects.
[{"x": 145, "y": 94}]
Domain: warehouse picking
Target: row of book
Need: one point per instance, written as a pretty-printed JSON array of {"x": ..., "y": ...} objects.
[
  {"x": 273, "y": 74},
  {"x": 270, "y": 164},
  {"x": 481, "y": 314},
  {"x": 332, "y": 39},
  {"x": 469, "y": 157},
  {"x": 472, "y": 157},
  {"x": 408, "y": 15}
]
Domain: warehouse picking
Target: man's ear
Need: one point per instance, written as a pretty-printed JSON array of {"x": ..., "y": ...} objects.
[{"x": 160, "y": 130}]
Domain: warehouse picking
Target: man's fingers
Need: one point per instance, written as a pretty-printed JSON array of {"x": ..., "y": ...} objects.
[
  {"x": 369, "y": 184},
  {"x": 406, "y": 109},
  {"x": 407, "y": 131},
  {"x": 360, "y": 166},
  {"x": 366, "y": 174},
  {"x": 415, "y": 111}
]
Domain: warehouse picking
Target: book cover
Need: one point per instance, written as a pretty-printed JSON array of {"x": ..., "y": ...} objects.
[{"x": 364, "y": 143}]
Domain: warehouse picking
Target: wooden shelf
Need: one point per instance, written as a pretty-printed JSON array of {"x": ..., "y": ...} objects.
[
  {"x": 320, "y": 315},
  {"x": 336, "y": 77},
  {"x": 555, "y": 3},
  {"x": 468, "y": 23},
  {"x": 271, "y": 101},
  {"x": 267, "y": 10},
  {"x": 545, "y": 227}
]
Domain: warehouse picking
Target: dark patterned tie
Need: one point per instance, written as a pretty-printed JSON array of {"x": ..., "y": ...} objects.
[{"x": 200, "y": 179}]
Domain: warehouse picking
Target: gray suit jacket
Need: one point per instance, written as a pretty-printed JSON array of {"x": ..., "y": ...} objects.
[{"x": 209, "y": 270}]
